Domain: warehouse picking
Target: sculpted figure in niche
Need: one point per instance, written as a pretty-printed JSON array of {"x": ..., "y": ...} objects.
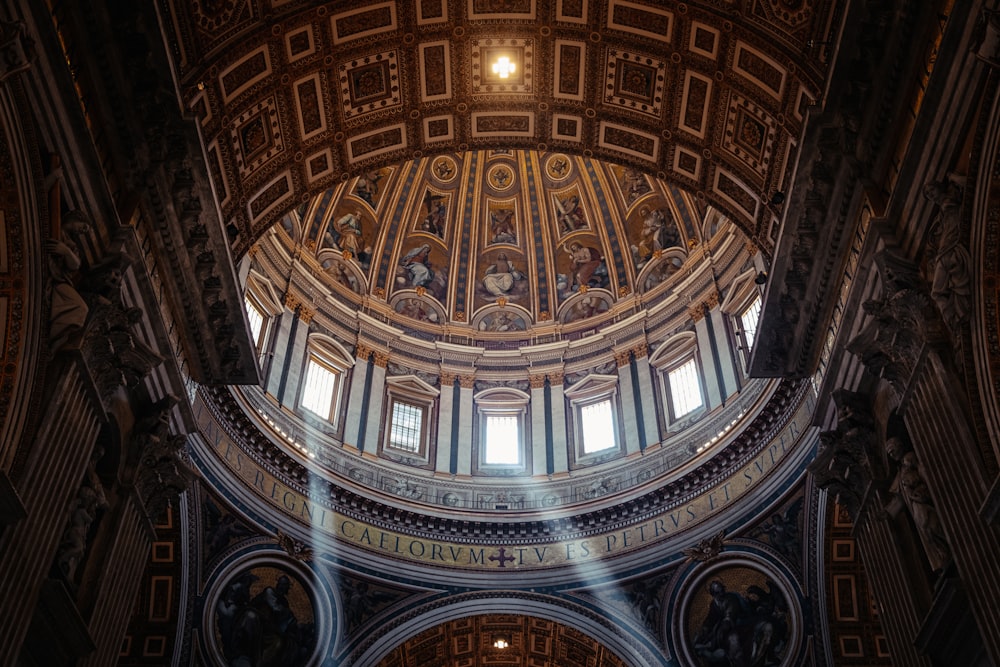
[
  {"x": 909, "y": 484},
  {"x": 90, "y": 501},
  {"x": 68, "y": 309},
  {"x": 950, "y": 285}
]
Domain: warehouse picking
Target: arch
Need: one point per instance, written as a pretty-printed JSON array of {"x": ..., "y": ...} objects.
[
  {"x": 605, "y": 628},
  {"x": 677, "y": 345},
  {"x": 262, "y": 290},
  {"x": 25, "y": 217},
  {"x": 333, "y": 349}
]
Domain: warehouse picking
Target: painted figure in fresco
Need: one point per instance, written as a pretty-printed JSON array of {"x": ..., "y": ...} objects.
[
  {"x": 349, "y": 228},
  {"x": 417, "y": 310},
  {"x": 635, "y": 184},
  {"x": 501, "y": 276},
  {"x": 748, "y": 630},
  {"x": 367, "y": 186},
  {"x": 656, "y": 234},
  {"x": 262, "y": 631},
  {"x": 437, "y": 214},
  {"x": 502, "y": 225},
  {"x": 417, "y": 265},
  {"x": 570, "y": 214},
  {"x": 586, "y": 263},
  {"x": 502, "y": 321},
  {"x": 584, "y": 308},
  {"x": 339, "y": 274}
]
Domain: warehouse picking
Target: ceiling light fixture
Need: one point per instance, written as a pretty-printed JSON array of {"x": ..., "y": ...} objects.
[
  {"x": 504, "y": 67},
  {"x": 501, "y": 641}
]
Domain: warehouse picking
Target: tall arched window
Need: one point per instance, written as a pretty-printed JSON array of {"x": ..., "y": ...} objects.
[
  {"x": 743, "y": 305},
  {"x": 502, "y": 429},
  {"x": 263, "y": 308},
  {"x": 409, "y": 424},
  {"x": 679, "y": 375},
  {"x": 596, "y": 424},
  {"x": 326, "y": 367}
]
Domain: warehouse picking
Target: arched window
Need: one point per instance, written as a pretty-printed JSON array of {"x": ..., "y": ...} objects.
[
  {"x": 408, "y": 425},
  {"x": 680, "y": 376},
  {"x": 594, "y": 403},
  {"x": 263, "y": 308},
  {"x": 502, "y": 428},
  {"x": 326, "y": 366},
  {"x": 743, "y": 305}
]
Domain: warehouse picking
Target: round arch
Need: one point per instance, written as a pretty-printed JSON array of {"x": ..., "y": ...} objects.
[{"x": 631, "y": 646}]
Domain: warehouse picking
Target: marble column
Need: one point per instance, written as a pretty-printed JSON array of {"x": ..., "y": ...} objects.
[
  {"x": 375, "y": 402},
  {"x": 356, "y": 397},
  {"x": 903, "y": 342},
  {"x": 279, "y": 349},
  {"x": 646, "y": 392},
  {"x": 539, "y": 437},
  {"x": 465, "y": 417},
  {"x": 626, "y": 401},
  {"x": 887, "y": 566},
  {"x": 296, "y": 348},
  {"x": 560, "y": 443},
  {"x": 444, "y": 463},
  {"x": 705, "y": 351}
]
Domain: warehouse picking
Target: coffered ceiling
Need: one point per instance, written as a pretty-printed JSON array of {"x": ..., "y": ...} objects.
[{"x": 294, "y": 97}]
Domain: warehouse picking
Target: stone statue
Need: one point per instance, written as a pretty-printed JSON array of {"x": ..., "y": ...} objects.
[
  {"x": 950, "y": 285},
  {"x": 84, "y": 510},
  {"x": 68, "y": 309},
  {"x": 910, "y": 486}
]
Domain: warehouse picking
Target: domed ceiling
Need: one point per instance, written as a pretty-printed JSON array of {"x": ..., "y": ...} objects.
[
  {"x": 502, "y": 242},
  {"x": 295, "y": 97}
]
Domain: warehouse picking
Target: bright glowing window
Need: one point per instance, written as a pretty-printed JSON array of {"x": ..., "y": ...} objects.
[
  {"x": 320, "y": 390},
  {"x": 685, "y": 388},
  {"x": 256, "y": 318},
  {"x": 749, "y": 317},
  {"x": 503, "y": 439},
  {"x": 406, "y": 427},
  {"x": 598, "y": 426}
]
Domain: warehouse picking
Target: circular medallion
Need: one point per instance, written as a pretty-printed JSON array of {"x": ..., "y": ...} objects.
[
  {"x": 738, "y": 613},
  {"x": 500, "y": 177},
  {"x": 558, "y": 167},
  {"x": 264, "y": 613},
  {"x": 444, "y": 169}
]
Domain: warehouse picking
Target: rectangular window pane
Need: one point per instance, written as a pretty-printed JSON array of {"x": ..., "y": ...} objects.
[
  {"x": 404, "y": 432},
  {"x": 748, "y": 322},
  {"x": 685, "y": 389},
  {"x": 598, "y": 426},
  {"x": 319, "y": 389},
  {"x": 502, "y": 441},
  {"x": 256, "y": 318}
]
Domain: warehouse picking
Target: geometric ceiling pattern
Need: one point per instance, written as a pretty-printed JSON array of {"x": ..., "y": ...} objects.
[
  {"x": 295, "y": 97},
  {"x": 533, "y": 642}
]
